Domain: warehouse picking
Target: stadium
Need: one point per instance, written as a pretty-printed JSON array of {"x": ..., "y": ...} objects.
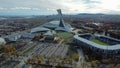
[{"x": 99, "y": 44}]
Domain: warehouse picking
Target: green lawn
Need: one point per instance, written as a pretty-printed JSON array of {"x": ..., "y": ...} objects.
[
  {"x": 66, "y": 36},
  {"x": 99, "y": 42}
]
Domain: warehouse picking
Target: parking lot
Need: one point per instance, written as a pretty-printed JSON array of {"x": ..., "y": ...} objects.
[{"x": 49, "y": 50}]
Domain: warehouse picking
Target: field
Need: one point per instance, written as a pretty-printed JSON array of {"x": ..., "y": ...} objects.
[
  {"x": 100, "y": 42},
  {"x": 67, "y": 37}
]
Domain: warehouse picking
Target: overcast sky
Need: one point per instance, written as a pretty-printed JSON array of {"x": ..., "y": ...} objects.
[{"x": 45, "y": 7}]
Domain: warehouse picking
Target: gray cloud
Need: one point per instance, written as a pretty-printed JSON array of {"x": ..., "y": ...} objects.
[
  {"x": 90, "y": 1},
  {"x": 49, "y": 6}
]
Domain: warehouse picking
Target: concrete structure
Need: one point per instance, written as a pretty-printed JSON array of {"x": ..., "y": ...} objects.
[
  {"x": 113, "y": 49},
  {"x": 62, "y": 26},
  {"x": 59, "y": 25}
]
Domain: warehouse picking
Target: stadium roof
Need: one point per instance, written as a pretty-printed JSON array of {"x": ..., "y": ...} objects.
[
  {"x": 53, "y": 24},
  {"x": 39, "y": 29},
  {"x": 59, "y": 25}
]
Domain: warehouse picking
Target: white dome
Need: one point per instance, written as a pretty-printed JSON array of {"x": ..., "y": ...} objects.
[{"x": 2, "y": 41}]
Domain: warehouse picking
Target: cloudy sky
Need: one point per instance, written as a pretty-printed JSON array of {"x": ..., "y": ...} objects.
[{"x": 45, "y": 7}]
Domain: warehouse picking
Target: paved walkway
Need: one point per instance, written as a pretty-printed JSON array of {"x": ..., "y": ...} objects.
[{"x": 81, "y": 58}]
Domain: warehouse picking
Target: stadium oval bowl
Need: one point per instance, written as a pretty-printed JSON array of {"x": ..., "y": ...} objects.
[{"x": 83, "y": 42}]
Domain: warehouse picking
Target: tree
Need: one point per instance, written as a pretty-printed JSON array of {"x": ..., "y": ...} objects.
[
  {"x": 9, "y": 49},
  {"x": 39, "y": 61},
  {"x": 93, "y": 64}
]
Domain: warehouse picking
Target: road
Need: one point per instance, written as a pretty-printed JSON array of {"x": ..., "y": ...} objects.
[{"x": 81, "y": 58}]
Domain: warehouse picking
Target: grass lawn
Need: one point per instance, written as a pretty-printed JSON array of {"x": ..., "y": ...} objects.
[
  {"x": 99, "y": 42},
  {"x": 66, "y": 36}
]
